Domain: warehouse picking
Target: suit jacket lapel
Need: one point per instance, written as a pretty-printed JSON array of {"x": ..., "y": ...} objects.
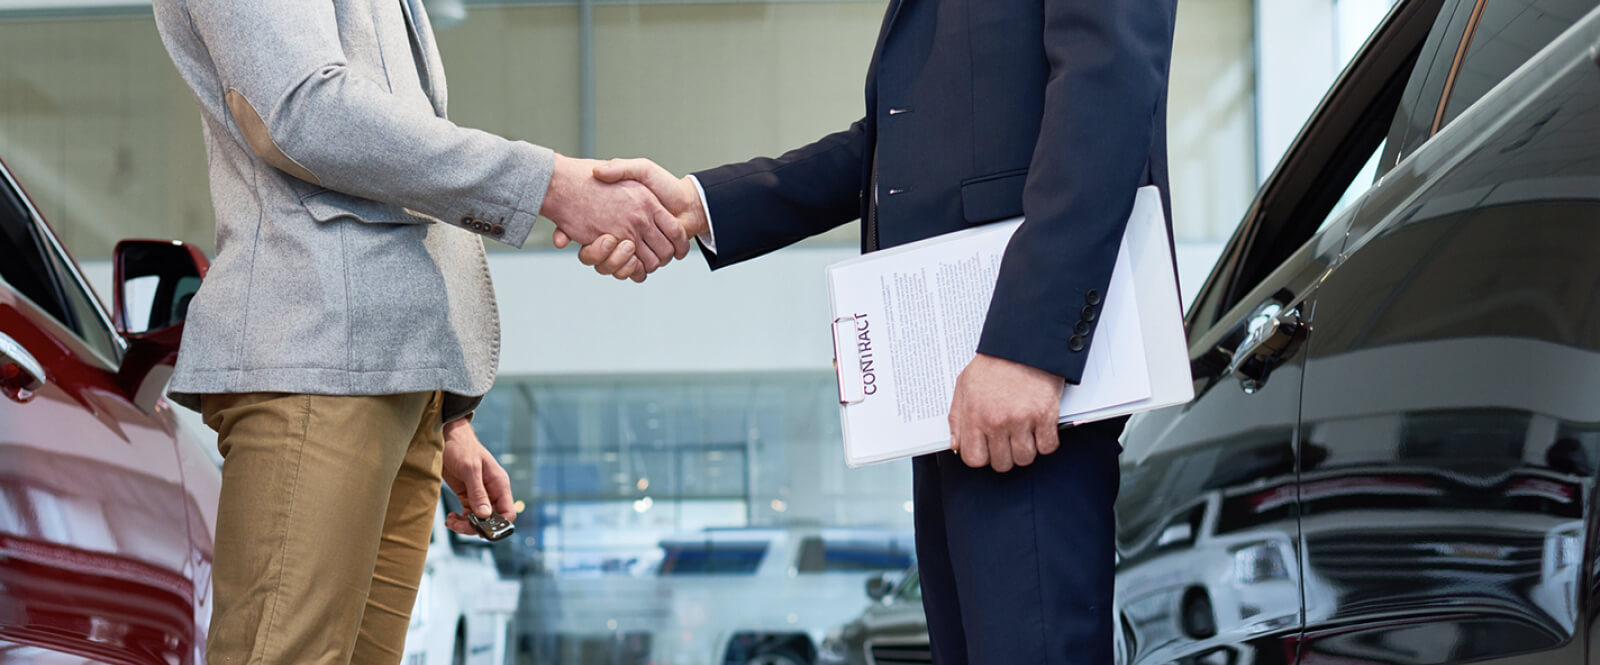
[
  {"x": 425, "y": 52},
  {"x": 889, "y": 17},
  {"x": 888, "y": 25}
]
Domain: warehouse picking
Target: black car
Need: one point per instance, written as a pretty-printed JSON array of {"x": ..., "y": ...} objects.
[{"x": 1391, "y": 453}]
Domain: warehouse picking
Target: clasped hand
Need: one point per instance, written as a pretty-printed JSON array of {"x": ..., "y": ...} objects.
[
  {"x": 626, "y": 229},
  {"x": 674, "y": 209}
]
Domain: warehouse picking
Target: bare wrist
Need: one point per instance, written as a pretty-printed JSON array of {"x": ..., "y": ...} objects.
[
  {"x": 699, "y": 222},
  {"x": 450, "y": 428},
  {"x": 557, "y": 195}
]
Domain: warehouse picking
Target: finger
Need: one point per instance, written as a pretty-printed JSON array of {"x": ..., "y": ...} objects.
[
  {"x": 654, "y": 239},
  {"x": 669, "y": 189},
  {"x": 632, "y": 269},
  {"x": 974, "y": 449},
  {"x": 644, "y": 171},
  {"x": 1023, "y": 446},
  {"x": 639, "y": 276},
  {"x": 499, "y": 486},
  {"x": 596, "y": 252},
  {"x": 999, "y": 450},
  {"x": 560, "y": 239},
  {"x": 645, "y": 247},
  {"x": 675, "y": 232},
  {"x": 477, "y": 497},
  {"x": 618, "y": 259},
  {"x": 459, "y": 525},
  {"x": 1047, "y": 436}
]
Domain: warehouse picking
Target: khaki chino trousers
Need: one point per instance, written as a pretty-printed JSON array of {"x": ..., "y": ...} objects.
[{"x": 323, "y": 525}]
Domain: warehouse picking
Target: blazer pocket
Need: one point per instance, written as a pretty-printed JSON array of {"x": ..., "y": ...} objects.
[
  {"x": 993, "y": 197},
  {"x": 328, "y": 205}
]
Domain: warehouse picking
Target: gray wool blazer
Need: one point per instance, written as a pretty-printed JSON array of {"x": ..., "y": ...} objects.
[{"x": 350, "y": 212}]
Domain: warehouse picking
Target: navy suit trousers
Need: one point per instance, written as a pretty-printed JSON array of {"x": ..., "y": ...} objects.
[{"x": 1017, "y": 567}]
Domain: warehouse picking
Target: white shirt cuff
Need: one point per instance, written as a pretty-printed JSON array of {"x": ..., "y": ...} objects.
[{"x": 709, "y": 238}]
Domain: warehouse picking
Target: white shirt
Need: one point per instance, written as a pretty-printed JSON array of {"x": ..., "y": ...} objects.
[{"x": 709, "y": 238}]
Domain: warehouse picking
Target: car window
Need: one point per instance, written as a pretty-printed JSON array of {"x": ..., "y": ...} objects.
[
  {"x": 818, "y": 555},
  {"x": 725, "y": 558},
  {"x": 25, "y": 267},
  {"x": 1358, "y": 187},
  {"x": 88, "y": 320},
  {"x": 1330, "y": 180},
  {"x": 1506, "y": 34},
  {"x": 35, "y": 267}
]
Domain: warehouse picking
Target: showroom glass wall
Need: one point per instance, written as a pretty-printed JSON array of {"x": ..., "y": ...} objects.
[{"x": 665, "y": 514}]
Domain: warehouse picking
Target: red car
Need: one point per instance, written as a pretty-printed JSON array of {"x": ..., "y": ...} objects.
[{"x": 106, "y": 507}]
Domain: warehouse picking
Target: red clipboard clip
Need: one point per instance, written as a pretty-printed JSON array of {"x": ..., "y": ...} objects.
[{"x": 847, "y": 361}]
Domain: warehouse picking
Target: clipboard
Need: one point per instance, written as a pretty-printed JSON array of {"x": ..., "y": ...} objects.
[{"x": 1138, "y": 355}]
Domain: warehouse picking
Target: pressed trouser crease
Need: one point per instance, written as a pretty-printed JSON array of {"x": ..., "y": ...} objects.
[{"x": 323, "y": 524}]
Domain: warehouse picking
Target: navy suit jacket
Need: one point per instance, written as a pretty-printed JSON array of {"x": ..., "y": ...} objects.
[{"x": 982, "y": 110}]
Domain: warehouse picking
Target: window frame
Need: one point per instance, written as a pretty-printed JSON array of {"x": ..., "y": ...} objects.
[{"x": 1275, "y": 213}]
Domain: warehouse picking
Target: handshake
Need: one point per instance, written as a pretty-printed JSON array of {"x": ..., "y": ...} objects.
[{"x": 630, "y": 216}]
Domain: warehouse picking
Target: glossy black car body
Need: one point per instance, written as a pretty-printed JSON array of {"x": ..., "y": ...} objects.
[{"x": 1409, "y": 481}]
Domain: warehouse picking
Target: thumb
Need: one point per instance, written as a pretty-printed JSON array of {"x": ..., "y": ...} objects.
[
  {"x": 658, "y": 180},
  {"x": 616, "y": 170}
]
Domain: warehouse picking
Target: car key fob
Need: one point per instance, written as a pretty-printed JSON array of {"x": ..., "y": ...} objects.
[{"x": 493, "y": 527}]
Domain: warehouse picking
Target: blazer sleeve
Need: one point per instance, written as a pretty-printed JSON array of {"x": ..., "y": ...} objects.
[
  {"x": 298, "y": 106},
  {"x": 1108, "y": 70},
  {"x": 766, "y": 204}
]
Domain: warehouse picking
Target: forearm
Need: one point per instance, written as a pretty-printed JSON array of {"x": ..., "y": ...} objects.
[
  {"x": 1109, "y": 61},
  {"x": 353, "y": 137},
  {"x": 768, "y": 203}
]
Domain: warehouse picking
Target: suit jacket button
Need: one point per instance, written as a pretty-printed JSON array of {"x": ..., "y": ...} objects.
[
  {"x": 1082, "y": 328},
  {"x": 1093, "y": 297},
  {"x": 1076, "y": 343},
  {"x": 498, "y": 230},
  {"x": 1088, "y": 313},
  {"x": 467, "y": 222}
]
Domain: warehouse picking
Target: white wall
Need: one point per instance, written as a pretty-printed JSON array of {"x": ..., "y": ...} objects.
[
  {"x": 770, "y": 315},
  {"x": 1301, "y": 47}
]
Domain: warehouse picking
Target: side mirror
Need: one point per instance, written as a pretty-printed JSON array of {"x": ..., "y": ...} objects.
[
  {"x": 152, "y": 283},
  {"x": 878, "y": 588}
]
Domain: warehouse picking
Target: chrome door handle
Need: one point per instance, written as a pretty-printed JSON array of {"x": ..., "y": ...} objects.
[
  {"x": 19, "y": 370},
  {"x": 1272, "y": 338}
]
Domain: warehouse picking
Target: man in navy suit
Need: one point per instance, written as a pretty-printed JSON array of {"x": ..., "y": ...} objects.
[{"x": 976, "y": 111}]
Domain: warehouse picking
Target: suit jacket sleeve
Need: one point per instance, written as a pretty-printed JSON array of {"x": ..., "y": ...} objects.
[
  {"x": 297, "y": 105},
  {"x": 1108, "y": 72},
  {"x": 766, "y": 204}
]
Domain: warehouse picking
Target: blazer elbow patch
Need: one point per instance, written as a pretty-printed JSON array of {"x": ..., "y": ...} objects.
[{"x": 260, "y": 140}]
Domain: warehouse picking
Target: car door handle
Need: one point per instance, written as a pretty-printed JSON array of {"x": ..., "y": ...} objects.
[
  {"x": 21, "y": 375},
  {"x": 1273, "y": 337}
]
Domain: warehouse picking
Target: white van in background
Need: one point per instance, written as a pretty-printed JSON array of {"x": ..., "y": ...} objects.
[
  {"x": 767, "y": 596},
  {"x": 464, "y": 609}
]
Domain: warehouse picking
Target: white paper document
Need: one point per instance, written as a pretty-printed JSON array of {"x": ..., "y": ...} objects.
[{"x": 907, "y": 321}]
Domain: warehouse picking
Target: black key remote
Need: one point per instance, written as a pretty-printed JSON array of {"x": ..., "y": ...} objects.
[{"x": 492, "y": 528}]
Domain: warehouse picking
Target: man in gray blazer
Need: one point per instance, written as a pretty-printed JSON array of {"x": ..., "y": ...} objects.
[{"x": 348, "y": 325}]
